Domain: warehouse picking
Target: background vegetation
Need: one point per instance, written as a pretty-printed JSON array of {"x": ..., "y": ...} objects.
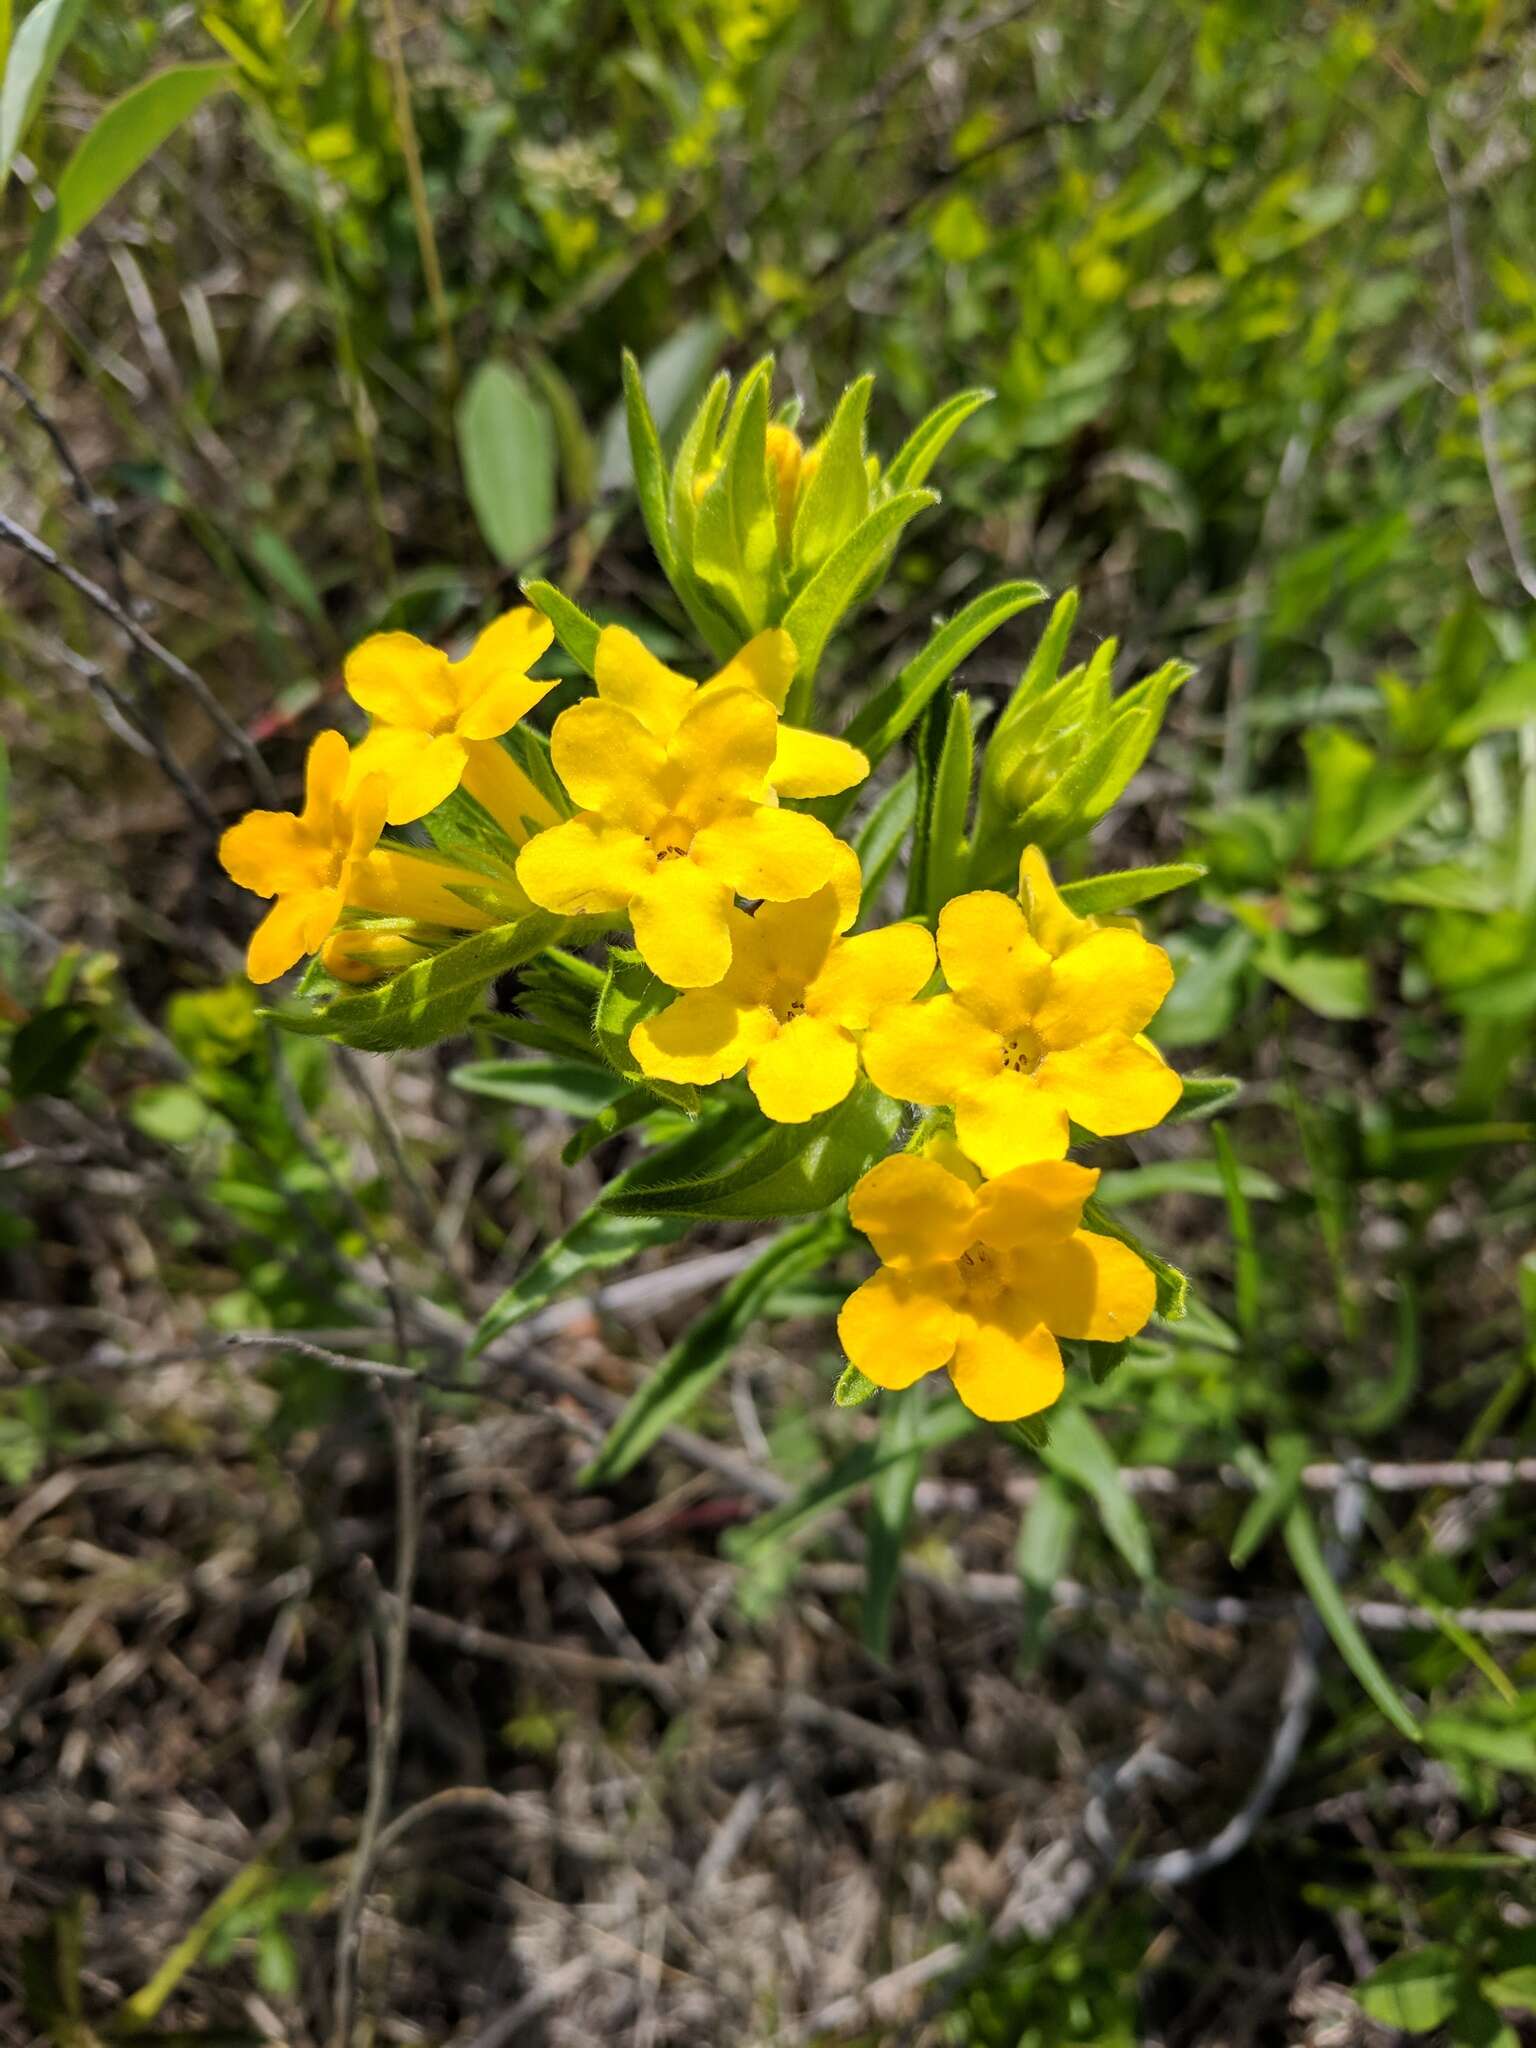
[{"x": 1252, "y": 285}]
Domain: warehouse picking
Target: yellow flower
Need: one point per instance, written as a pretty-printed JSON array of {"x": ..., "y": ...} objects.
[
  {"x": 793, "y": 1005},
  {"x": 985, "y": 1280},
  {"x": 678, "y": 784},
  {"x": 1030, "y": 1035},
  {"x": 409, "y": 881},
  {"x": 307, "y": 862},
  {"x": 435, "y": 716}
]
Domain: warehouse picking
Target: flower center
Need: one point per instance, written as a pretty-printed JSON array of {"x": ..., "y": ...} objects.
[
  {"x": 1023, "y": 1051},
  {"x": 671, "y": 838},
  {"x": 982, "y": 1272}
]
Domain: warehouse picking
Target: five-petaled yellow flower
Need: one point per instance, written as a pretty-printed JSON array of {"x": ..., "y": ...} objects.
[
  {"x": 678, "y": 784},
  {"x": 435, "y": 719},
  {"x": 984, "y": 1280},
  {"x": 307, "y": 862},
  {"x": 793, "y": 1005},
  {"x": 1028, "y": 1036}
]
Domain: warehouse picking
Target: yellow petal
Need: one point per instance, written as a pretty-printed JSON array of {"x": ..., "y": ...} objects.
[
  {"x": 610, "y": 763},
  {"x": 367, "y": 806},
  {"x": 704, "y": 1036},
  {"x": 1033, "y": 1205},
  {"x": 1110, "y": 981},
  {"x": 327, "y": 768},
  {"x": 930, "y": 1052},
  {"x": 507, "y": 648},
  {"x": 720, "y": 753},
  {"x": 495, "y": 781},
  {"x": 805, "y": 1068},
  {"x": 682, "y": 924},
  {"x": 396, "y": 882},
  {"x": 1111, "y": 1084},
  {"x": 422, "y": 784},
  {"x": 388, "y": 750},
  {"x": 898, "y": 1326},
  {"x": 295, "y": 925},
  {"x": 864, "y": 975},
  {"x": 846, "y": 882},
  {"x": 628, "y": 674},
  {"x": 270, "y": 853},
  {"x": 1050, "y": 921},
  {"x": 1010, "y": 1120},
  {"x": 1091, "y": 1286},
  {"x": 814, "y": 764},
  {"x": 401, "y": 680},
  {"x": 1006, "y": 1367},
  {"x": 766, "y": 664},
  {"x": 500, "y": 705},
  {"x": 989, "y": 958},
  {"x": 792, "y": 940},
  {"x": 780, "y": 855},
  {"x": 585, "y": 866},
  {"x": 913, "y": 1212}
]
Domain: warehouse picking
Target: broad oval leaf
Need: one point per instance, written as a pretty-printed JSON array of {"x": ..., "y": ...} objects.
[{"x": 507, "y": 449}]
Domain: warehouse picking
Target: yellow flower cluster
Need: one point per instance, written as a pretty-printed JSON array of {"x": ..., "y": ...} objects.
[{"x": 675, "y": 789}]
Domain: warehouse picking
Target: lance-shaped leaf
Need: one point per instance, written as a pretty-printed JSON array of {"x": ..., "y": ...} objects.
[
  {"x": 810, "y": 620},
  {"x": 434, "y": 999},
  {"x": 836, "y": 500},
  {"x": 576, "y": 632},
  {"x": 1101, "y": 895},
  {"x": 928, "y": 439},
  {"x": 688, "y": 1370},
  {"x": 781, "y": 1170}
]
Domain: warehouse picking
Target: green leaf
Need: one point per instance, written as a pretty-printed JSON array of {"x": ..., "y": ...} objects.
[
  {"x": 691, "y": 1367},
  {"x": 1491, "y": 1734},
  {"x": 949, "y": 808},
  {"x": 1204, "y": 1095},
  {"x": 888, "y": 714},
  {"x": 1416, "y": 1992},
  {"x": 1279, "y": 1482},
  {"x": 564, "y": 1085},
  {"x": 1172, "y": 1287},
  {"x": 783, "y": 1170},
  {"x": 1509, "y": 700},
  {"x": 435, "y": 998},
  {"x": 125, "y": 136},
  {"x": 35, "y": 49},
  {"x": 1323, "y": 1590},
  {"x": 577, "y": 634},
  {"x": 1048, "y": 1532},
  {"x": 626, "y": 1110},
  {"x": 670, "y": 376},
  {"x": 507, "y": 448},
  {"x": 631, "y": 993},
  {"x": 891, "y": 1492},
  {"x": 597, "y": 1241},
  {"x": 853, "y": 1389},
  {"x": 1333, "y": 985},
  {"x": 837, "y": 497},
  {"x": 945, "y": 1422},
  {"x": 49, "y": 1050},
  {"x": 1100, "y": 895},
  {"x": 1248, "y": 1279},
  {"x": 648, "y": 468},
  {"x": 924, "y": 445},
  {"x": 1077, "y": 1452},
  {"x": 882, "y": 836},
  {"x": 736, "y": 535},
  {"x": 1181, "y": 1177},
  {"x": 815, "y": 612}
]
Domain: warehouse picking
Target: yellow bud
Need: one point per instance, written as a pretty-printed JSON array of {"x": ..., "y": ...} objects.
[
  {"x": 359, "y": 953},
  {"x": 786, "y": 465},
  {"x": 702, "y": 482}
]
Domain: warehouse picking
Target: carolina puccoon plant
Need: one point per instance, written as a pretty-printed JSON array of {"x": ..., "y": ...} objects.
[{"x": 781, "y": 972}]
